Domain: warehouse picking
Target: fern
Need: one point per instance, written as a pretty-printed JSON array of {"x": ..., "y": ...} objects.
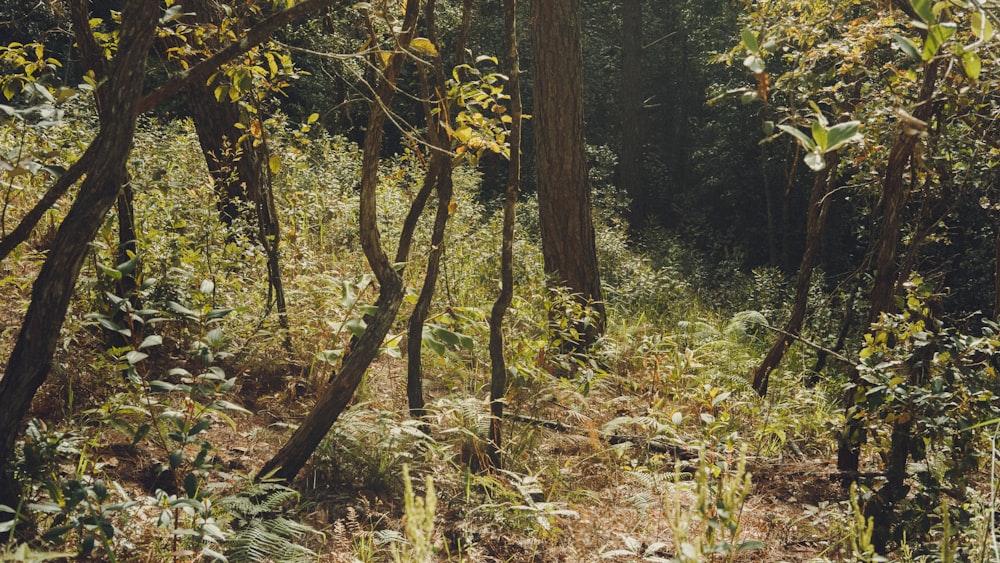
[{"x": 260, "y": 532}]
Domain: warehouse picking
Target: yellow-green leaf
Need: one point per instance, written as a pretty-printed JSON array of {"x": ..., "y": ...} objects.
[
  {"x": 424, "y": 45},
  {"x": 274, "y": 163}
]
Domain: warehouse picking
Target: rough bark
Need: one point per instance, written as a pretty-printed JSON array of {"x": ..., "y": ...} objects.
[
  {"x": 31, "y": 359},
  {"x": 815, "y": 218},
  {"x": 498, "y": 365},
  {"x": 630, "y": 164},
  {"x": 237, "y": 162},
  {"x": 886, "y": 250},
  {"x": 334, "y": 398},
  {"x": 564, "y": 208}
]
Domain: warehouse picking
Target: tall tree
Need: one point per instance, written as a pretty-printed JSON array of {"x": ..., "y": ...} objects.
[
  {"x": 564, "y": 207},
  {"x": 236, "y": 150},
  {"x": 31, "y": 359},
  {"x": 498, "y": 365},
  {"x": 630, "y": 161}
]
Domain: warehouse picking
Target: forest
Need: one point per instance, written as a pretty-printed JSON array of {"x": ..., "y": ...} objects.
[{"x": 538, "y": 281}]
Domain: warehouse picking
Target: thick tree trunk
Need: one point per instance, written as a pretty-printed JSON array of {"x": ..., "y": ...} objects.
[
  {"x": 334, "y": 398},
  {"x": 886, "y": 249},
  {"x": 498, "y": 365},
  {"x": 630, "y": 162},
  {"x": 815, "y": 218},
  {"x": 564, "y": 208},
  {"x": 31, "y": 359},
  {"x": 238, "y": 164}
]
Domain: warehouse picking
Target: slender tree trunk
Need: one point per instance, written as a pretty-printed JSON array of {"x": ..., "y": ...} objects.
[
  {"x": 630, "y": 163},
  {"x": 564, "y": 208},
  {"x": 31, "y": 359},
  {"x": 335, "y": 396},
  {"x": 815, "y": 218},
  {"x": 439, "y": 174},
  {"x": 498, "y": 365},
  {"x": 886, "y": 271}
]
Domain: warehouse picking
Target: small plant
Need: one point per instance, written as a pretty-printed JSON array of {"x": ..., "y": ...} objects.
[
  {"x": 706, "y": 525},
  {"x": 260, "y": 531},
  {"x": 418, "y": 523},
  {"x": 74, "y": 505}
]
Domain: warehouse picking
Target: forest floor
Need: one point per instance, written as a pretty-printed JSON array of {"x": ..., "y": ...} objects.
[{"x": 586, "y": 498}]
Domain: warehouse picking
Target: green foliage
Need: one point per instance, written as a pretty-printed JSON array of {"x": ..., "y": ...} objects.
[
  {"x": 260, "y": 530},
  {"x": 939, "y": 384},
  {"x": 419, "y": 523}
]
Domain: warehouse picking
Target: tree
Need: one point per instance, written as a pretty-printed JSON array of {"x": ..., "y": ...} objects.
[
  {"x": 101, "y": 164},
  {"x": 498, "y": 365},
  {"x": 334, "y": 398},
  {"x": 564, "y": 202},
  {"x": 630, "y": 164},
  {"x": 233, "y": 141},
  {"x": 31, "y": 359}
]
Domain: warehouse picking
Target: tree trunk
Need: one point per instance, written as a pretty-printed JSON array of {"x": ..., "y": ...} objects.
[
  {"x": 439, "y": 174},
  {"x": 334, "y": 398},
  {"x": 886, "y": 271},
  {"x": 630, "y": 162},
  {"x": 498, "y": 365},
  {"x": 564, "y": 209},
  {"x": 31, "y": 359},
  {"x": 238, "y": 162},
  {"x": 815, "y": 217}
]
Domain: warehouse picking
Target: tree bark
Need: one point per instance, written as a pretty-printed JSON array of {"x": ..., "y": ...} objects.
[
  {"x": 815, "y": 218},
  {"x": 564, "y": 207},
  {"x": 439, "y": 173},
  {"x": 498, "y": 365},
  {"x": 238, "y": 163},
  {"x": 31, "y": 359},
  {"x": 886, "y": 248},
  {"x": 630, "y": 162},
  {"x": 334, "y": 398}
]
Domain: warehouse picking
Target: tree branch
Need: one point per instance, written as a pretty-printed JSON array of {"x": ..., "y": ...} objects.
[{"x": 257, "y": 35}]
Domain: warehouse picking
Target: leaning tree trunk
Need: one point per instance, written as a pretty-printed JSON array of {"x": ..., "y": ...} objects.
[
  {"x": 815, "y": 217},
  {"x": 564, "y": 208},
  {"x": 886, "y": 249},
  {"x": 31, "y": 359},
  {"x": 498, "y": 365},
  {"x": 334, "y": 398}
]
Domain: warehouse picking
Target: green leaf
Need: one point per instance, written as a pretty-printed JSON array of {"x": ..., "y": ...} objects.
[
  {"x": 972, "y": 64},
  {"x": 908, "y": 46},
  {"x": 274, "y": 164},
  {"x": 176, "y": 458},
  {"x": 819, "y": 135},
  {"x": 815, "y": 161},
  {"x": 356, "y": 326},
  {"x": 151, "y": 340},
  {"x": 750, "y": 40},
  {"x": 936, "y": 37},
  {"x": 751, "y": 545},
  {"x": 134, "y": 357},
  {"x": 191, "y": 485},
  {"x": 806, "y": 140},
  {"x": 313, "y": 118},
  {"x": 841, "y": 134},
  {"x": 981, "y": 26},
  {"x": 923, "y": 10}
]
